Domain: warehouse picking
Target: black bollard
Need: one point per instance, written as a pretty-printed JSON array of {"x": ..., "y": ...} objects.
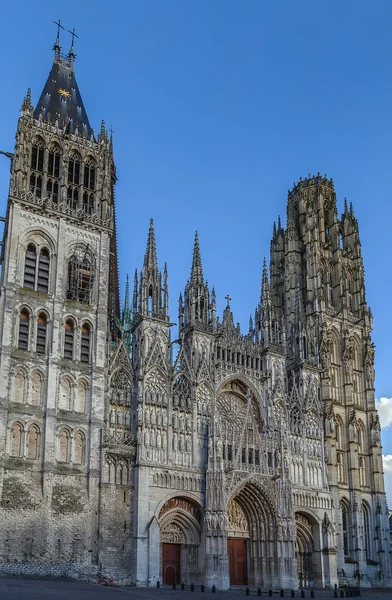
[
  {"x": 342, "y": 593},
  {"x": 281, "y": 592},
  {"x": 247, "y": 592},
  {"x": 259, "y": 591},
  {"x": 347, "y": 593},
  {"x": 270, "y": 592},
  {"x": 312, "y": 593},
  {"x": 335, "y": 593},
  {"x": 202, "y": 587},
  {"x": 302, "y": 593},
  {"x": 213, "y": 589},
  {"x": 292, "y": 594},
  {"x": 158, "y": 584},
  {"x": 192, "y": 587},
  {"x": 174, "y": 586},
  {"x": 359, "y": 591},
  {"x": 183, "y": 586}
]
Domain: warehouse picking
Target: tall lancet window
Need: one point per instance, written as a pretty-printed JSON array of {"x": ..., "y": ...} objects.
[
  {"x": 52, "y": 184},
  {"x": 89, "y": 186},
  {"x": 37, "y": 167},
  {"x": 73, "y": 181}
]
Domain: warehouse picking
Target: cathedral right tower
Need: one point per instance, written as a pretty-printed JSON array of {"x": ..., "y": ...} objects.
[{"x": 318, "y": 290}]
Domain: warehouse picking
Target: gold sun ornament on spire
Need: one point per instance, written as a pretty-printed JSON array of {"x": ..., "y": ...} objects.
[{"x": 64, "y": 93}]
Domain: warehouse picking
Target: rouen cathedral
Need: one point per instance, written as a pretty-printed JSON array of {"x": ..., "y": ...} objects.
[{"x": 242, "y": 458}]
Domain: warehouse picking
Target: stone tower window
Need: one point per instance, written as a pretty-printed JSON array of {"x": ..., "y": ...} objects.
[
  {"x": 81, "y": 275},
  {"x": 19, "y": 387},
  {"x": 24, "y": 326},
  {"x": 52, "y": 184},
  {"x": 73, "y": 181},
  {"x": 89, "y": 175},
  {"x": 36, "y": 389},
  {"x": 16, "y": 439},
  {"x": 41, "y": 334},
  {"x": 37, "y": 157},
  {"x": 85, "y": 344},
  {"x": 69, "y": 332},
  {"x": 81, "y": 397},
  {"x": 64, "y": 446},
  {"x": 65, "y": 399},
  {"x": 362, "y": 471},
  {"x": 80, "y": 448},
  {"x": 31, "y": 279},
  {"x": 43, "y": 271},
  {"x": 30, "y": 267},
  {"x": 33, "y": 439}
]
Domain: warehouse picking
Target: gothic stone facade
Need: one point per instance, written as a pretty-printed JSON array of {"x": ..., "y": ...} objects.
[{"x": 237, "y": 459}]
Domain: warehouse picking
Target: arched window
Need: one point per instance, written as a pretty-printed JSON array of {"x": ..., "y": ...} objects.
[
  {"x": 73, "y": 181},
  {"x": 19, "y": 387},
  {"x": 362, "y": 471},
  {"x": 357, "y": 375},
  {"x": 361, "y": 438},
  {"x": 80, "y": 448},
  {"x": 366, "y": 529},
  {"x": 43, "y": 271},
  {"x": 54, "y": 163},
  {"x": 85, "y": 343},
  {"x": 33, "y": 439},
  {"x": 81, "y": 397},
  {"x": 349, "y": 290},
  {"x": 16, "y": 439},
  {"x": 64, "y": 446},
  {"x": 65, "y": 399},
  {"x": 335, "y": 370},
  {"x": 52, "y": 184},
  {"x": 24, "y": 326},
  {"x": 37, "y": 156},
  {"x": 69, "y": 332},
  {"x": 74, "y": 169},
  {"x": 36, "y": 389},
  {"x": 340, "y": 463},
  {"x": 81, "y": 275},
  {"x": 89, "y": 175},
  {"x": 40, "y": 346},
  {"x": 30, "y": 267},
  {"x": 339, "y": 434},
  {"x": 345, "y": 528}
]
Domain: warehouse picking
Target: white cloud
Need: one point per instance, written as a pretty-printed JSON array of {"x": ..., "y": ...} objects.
[
  {"x": 387, "y": 460},
  {"x": 384, "y": 407}
]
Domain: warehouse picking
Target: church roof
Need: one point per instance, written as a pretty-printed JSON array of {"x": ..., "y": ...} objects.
[{"x": 61, "y": 99}]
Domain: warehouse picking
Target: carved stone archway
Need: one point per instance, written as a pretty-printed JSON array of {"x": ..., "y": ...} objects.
[
  {"x": 180, "y": 535},
  {"x": 307, "y": 550},
  {"x": 252, "y": 519}
]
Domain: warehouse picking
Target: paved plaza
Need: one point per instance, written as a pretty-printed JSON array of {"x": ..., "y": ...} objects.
[{"x": 42, "y": 589}]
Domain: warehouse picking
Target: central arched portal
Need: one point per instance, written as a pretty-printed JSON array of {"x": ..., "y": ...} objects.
[
  {"x": 180, "y": 531},
  {"x": 305, "y": 545},
  {"x": 251, "y": 540}
]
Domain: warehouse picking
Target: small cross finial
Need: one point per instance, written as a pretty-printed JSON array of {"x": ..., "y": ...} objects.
[
  {"x": 74, "y": 35},
  {"x": 111, "y": 130},
  {"x": 72, "y": 54},
  {"x": 227, "y": 297},
  {"x": 57, "y": 42}
]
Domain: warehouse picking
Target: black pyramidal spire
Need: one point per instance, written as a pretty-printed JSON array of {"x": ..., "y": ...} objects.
[{"x": 60, "y": 99}]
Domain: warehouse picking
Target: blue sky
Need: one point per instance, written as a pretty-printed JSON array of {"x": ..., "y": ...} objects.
[{"x": 217, "y": 108}]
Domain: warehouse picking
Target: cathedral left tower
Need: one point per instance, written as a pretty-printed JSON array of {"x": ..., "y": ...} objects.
[{"x": 58, "y": 314}]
